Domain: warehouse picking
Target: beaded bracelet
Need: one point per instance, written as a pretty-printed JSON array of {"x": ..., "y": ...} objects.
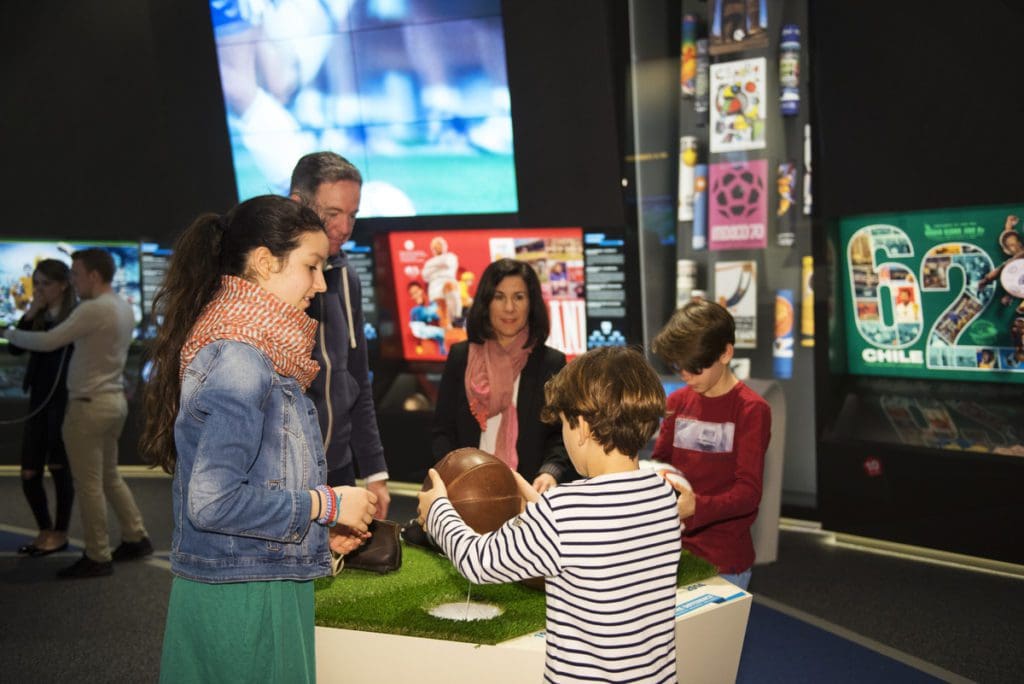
[
  {"x": 335, "y": 507},
  {"x": 330, "y": 512}
]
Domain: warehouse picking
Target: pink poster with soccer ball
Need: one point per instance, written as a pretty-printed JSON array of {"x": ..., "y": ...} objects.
[{"x": 738, "y": 205}]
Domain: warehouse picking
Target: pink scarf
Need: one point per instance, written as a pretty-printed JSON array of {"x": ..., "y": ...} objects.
[
  {"x": 491, "y": 372},
  {"x": 245, "y": 312}
]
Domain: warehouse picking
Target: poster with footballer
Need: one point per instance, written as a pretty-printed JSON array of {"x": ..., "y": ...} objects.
[
  {"x": 738, "y": 105},
  {"x": 736, "y": 290},
  {"x": 738, "y": 205},
  {"x": 435, "y": 277}
]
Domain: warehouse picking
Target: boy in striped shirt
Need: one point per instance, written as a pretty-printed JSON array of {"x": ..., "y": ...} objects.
[{"x": 608, "y": 545}]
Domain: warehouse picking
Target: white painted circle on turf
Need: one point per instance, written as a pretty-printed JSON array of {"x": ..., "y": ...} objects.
[{"x": 464, "y": 612}]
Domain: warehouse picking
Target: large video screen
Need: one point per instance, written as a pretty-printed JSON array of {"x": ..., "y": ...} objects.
[
  {"x": 435, "y": 279},
  {"x": 18, "y": 259},
  {"x": 414, "y": 93},
  {"x": 935, "y": 294}
]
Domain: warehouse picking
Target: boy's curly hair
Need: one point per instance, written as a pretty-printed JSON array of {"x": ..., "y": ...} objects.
[{"x": 615, "y": 390}]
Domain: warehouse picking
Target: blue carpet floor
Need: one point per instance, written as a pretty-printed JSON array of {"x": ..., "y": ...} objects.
[{"x": 780, "y": 648}]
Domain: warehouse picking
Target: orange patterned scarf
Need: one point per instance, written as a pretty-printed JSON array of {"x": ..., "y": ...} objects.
[
  {"x": 245, "y": 312},
  {"x": 491, "y": 373}
]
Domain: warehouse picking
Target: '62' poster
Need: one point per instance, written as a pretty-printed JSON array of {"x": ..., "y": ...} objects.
[{"x": 935, "y": 294}]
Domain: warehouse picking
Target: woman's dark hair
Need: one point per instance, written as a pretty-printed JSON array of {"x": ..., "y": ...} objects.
[
  {"x": 478, "y": 322},
  {"x": 213, "y": 246},
  {"x": 57, "y": 271}
]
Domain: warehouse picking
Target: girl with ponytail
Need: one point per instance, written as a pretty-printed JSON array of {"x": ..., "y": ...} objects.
[{"x": 226, "y": 414}]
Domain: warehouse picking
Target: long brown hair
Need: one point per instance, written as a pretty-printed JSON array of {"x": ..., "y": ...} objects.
[
  {"x": 57, "y": 271},
  {"x": 213, "y": 246}
]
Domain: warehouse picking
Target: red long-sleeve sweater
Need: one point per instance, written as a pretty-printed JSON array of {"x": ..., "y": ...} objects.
[{"x": 718, "y": 443}]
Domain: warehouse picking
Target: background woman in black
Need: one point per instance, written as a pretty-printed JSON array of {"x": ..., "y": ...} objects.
[
  {"x": 498, "y": 408},
  {"x": 53, "y": 298}
]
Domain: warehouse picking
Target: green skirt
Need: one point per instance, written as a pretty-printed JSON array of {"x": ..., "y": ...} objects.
[{"x": 239, "y": 632}]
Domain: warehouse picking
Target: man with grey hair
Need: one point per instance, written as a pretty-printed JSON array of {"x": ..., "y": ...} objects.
[{"x": 330, "y": 185}]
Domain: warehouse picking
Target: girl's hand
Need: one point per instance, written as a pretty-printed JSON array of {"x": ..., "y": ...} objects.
[
  {"x": 357, "y": 507},
  {"x": 37, "y": 306},
  {"x": 345, "y": 540}
]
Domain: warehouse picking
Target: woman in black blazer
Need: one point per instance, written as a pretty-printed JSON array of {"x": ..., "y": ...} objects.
[{"x": 506, "y": 356}]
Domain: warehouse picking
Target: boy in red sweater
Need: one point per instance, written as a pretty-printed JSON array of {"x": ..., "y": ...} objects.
[{"x": 716, "y": 432}]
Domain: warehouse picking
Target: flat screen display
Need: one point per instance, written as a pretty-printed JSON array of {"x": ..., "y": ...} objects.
[
  {"x": 18, "y": 259},
  {"x": 435, "y": 280},
  {"x": 935, "y": 294},
  {"x": 414, "y": 93}
]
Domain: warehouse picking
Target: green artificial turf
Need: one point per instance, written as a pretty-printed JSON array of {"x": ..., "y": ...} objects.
[{"x": 397, "y": 603}]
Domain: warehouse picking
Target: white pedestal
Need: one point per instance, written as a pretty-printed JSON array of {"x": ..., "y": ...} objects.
[{"x": 711, "y": 619}]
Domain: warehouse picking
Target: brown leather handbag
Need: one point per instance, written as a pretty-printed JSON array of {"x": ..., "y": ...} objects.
[{"x": 382, "y": 553}]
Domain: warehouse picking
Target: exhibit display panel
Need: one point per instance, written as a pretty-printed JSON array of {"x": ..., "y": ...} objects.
[
  {"x": 724, "y": 95},
  {"x": 18, "y": 259},
  {"x": 922, "y": 440},
  {"x": 711, "y": 620}
]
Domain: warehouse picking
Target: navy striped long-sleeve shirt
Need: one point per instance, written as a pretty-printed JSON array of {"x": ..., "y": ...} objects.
[{"x": 609, "y": 549}]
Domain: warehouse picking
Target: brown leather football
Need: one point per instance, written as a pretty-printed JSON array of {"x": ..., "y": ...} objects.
[{"x": 481, "y": 488}]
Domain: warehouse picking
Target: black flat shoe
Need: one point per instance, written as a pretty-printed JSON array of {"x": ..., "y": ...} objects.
[
  {"x": 27, "y": 549},
  {"x": 36, "y": 552},
  {"x": 86, "y": 567}
]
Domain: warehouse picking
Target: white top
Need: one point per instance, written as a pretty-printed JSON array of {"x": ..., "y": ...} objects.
[
  {"x": 489, "y": 436},
  {"x": 609, "y": 547},
  {"x": 439, "y": 270},
  {"x": 101, "y": 330}
]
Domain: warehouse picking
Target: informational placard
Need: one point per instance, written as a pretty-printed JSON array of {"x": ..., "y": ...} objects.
[
  {"x": 154, "y": 261},
  {"x": 360, "y": 259},
  {"x": 607, "y": 300},
  {"x": 923, "y": 294}
]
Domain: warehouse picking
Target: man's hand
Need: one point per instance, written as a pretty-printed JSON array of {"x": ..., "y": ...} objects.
[
  {"x": 427, "y": 498},
  {"x": 380, "y": 488},
  {"x": 544, "y": 482},
  {"x": 526, "y": 490}
]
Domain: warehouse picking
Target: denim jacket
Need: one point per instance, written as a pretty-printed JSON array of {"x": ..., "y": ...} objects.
[{"x": 249, "y": 448}]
